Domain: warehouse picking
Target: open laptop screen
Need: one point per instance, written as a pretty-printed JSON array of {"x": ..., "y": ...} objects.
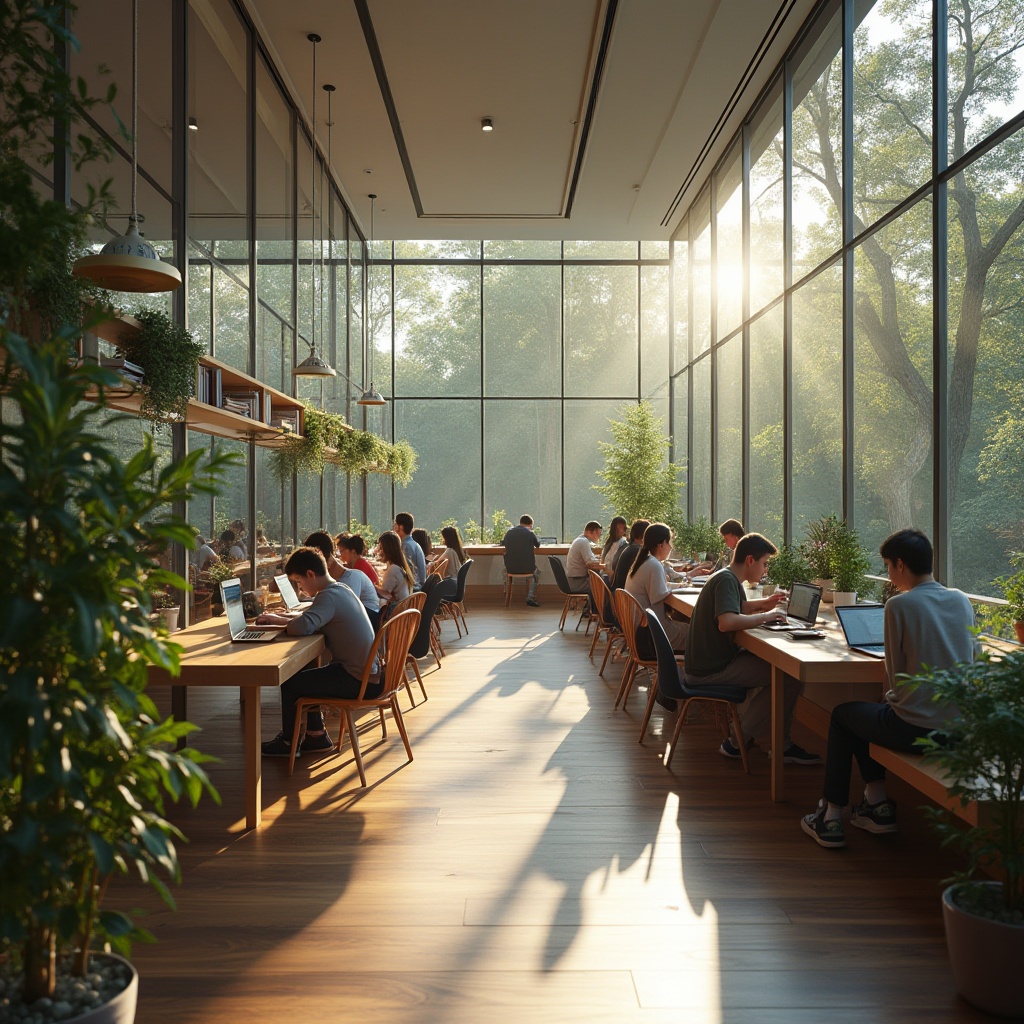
[
  {"x": 864, "y": 625},
  {"x": 231, "y": 594},
  {"x": 803, "y": 602},
  {"x": 287, "y": 591}
]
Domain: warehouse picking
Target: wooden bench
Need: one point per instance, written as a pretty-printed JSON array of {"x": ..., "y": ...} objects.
[{"x": 927, "y": 778}]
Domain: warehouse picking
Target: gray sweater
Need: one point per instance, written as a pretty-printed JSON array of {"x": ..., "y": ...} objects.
[
  {"x": 927, "y": 627},
  {"x": 340, "y": 616}
]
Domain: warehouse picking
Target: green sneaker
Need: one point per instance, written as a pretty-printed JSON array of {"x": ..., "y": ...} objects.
[
  {"x": 828, "y": 834},
  {"x": 878, "y": 818}
]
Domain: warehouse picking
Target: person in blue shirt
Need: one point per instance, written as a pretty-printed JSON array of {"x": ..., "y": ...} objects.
[{"x": 404, "y": 524}]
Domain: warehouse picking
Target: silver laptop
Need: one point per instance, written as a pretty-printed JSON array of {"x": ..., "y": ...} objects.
[
  {"x": 864, "y": 628},
  {"x": 231, "y": 595},
  {"x": 288, "y": 595},
  {"x": 802, "y": 610}
]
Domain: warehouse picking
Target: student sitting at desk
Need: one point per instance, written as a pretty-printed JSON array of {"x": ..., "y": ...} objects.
[
  {"x": 712, "y": 657},
  {"x": 352, "y": 552},
  {"x": 646, "y": 582},
  {"x": 358, "y": 582},
  {"x": 625, "y": 560},
  {"x": 925, "y": 624},
  {"x": 397, "y": 582},
  {"x": 337, "y": 613}
]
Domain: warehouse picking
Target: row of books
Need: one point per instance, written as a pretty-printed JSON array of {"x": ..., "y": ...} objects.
[
  {"x": 252, "y": 403},
  {"x": 131, "y": 372}
]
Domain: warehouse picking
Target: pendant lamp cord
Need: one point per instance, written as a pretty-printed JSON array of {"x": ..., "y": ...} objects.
[
  {"x": 369, "y": 264},
  {"x": 312, "y": 207},
  {"x": 135, "y": 105}
]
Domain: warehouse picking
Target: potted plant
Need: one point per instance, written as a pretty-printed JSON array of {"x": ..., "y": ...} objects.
[
  {"x": 983, "y": 754},
  {"x": 816, "y": 550},
  {"x": 169, "y": 358},
  {"x": 212, "y": 576},
  {"x": 167, "y": 607},
  {"x": 705, "y": 542},
  {"x": 1012, "y": 587},
  {"x": 785, "y": 569},
  {"x": 848, "y": 562}
]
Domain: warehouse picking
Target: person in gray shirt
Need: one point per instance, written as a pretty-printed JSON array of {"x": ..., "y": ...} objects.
[
  {"x": 340, "y": 616},
  {"x": 404, "y": 523},
  {"x": 520, "y": 545},
  {"x": 926, "y": 625}
]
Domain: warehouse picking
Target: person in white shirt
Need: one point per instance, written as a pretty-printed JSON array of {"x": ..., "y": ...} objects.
[
  {"x": 448, "y": 563},
  {"x": 581, "y": 560},
  {"x": 646, "y": 581}
]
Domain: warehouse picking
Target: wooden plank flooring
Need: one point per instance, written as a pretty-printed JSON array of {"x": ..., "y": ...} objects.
[{"x": 535, "y": 863}]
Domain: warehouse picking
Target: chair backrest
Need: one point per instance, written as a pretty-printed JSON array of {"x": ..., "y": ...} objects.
[
  {"x": 395, "y": 635},
  {"x": 460, "y": 581},
  {"x": 632, "y": 620},
  {"x": 602, "y": 600},
  {"x": 558, "y": 570},
  {"x": 430, "y": 582},
  {"x": 444, "y": 590},
  {"x": 668, "y": 671},
  {"x": 416, "y": 600}
]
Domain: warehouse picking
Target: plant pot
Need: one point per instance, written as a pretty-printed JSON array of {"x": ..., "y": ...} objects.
[
  {"x": 119, "y": 1010},
  {"x": 826, "y": 589},
  {"x": 1018, "y": 628},
  {"x": 843, "y": 597},
  {"x": 986, "y": 957},
  {"x": 768, "y": 589},
  {"x": 170, "y": 618}
]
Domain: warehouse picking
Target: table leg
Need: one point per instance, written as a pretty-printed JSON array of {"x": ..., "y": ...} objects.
[
  {"x": 778, "y": 715},
  {"x": 253, "y": 757},
  {"x": 179, "y": 708}
]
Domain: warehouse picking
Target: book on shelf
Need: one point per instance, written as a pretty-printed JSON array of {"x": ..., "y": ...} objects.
[
  {"x": 208, "y": 385},
  {"x": 285, "y": 419},
  {"x": 130, "y": 371},
  {"x": 245, "y": 403}
]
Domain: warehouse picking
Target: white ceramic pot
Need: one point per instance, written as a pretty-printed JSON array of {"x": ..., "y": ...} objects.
[
  {"x": 768, "y": 589},
  {"x": 843, "y": 597},
  {"x": 171, "y": 618},
  {"x": 986, "y": 957},
  {"x": 826, "y": 589}
]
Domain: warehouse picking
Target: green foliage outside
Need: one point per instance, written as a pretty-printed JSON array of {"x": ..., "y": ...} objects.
[{"x": 788, "y": 567}]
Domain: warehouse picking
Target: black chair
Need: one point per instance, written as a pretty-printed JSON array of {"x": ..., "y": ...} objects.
[
  {"x": 456, "y": 608},
  {"x": 572, "y": 599},
  {"x": 421, "y": 645},
  {"x": 722, "y": 698}
]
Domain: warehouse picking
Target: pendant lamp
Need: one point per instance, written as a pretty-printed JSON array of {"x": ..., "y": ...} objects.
[
  {"x": 370, "y": 396},
  {"x": 129, "y": 263},
  {"x": 313, "y": 365}
]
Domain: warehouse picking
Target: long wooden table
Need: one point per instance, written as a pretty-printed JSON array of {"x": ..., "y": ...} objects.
[
  {"x": 211, "y": 659},
  {"x": 810, "y": 661}
]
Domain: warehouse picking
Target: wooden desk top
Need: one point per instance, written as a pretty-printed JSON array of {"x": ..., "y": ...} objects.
[
  {"x": 211, "y": 659},
  {"x": 812, "y": 661}
]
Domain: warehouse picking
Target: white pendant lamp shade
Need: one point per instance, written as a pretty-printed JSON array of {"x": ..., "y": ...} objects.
[
  {"x": 372, "y": 397},
  {"x": 314, "y": 366},
  {"x": 129, "y": 263}
]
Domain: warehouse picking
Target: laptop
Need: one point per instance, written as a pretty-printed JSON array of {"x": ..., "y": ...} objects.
[
  {"x": 548, "y": 541},
  {"x": 802, "y": 610},
  {"x": 288, "y": 595},
  {"x": 864, "y": 628},
  {"x": 231, "y": 595}
]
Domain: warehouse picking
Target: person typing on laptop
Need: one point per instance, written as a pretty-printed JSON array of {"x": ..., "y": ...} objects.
[
  {"x": 339, "y": 615},
  {"x": 926, "y": 624}
]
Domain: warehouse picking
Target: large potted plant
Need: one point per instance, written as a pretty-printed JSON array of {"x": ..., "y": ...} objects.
[
  {"x": 786, "y": 568},
  {"x": 983, "y": 754},
  {"x": 816, "y": 550},
  {"x": 848, "y": 564}
]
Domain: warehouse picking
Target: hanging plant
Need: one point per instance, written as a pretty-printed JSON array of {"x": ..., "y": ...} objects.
[
  {"x": 307, "y": 453},
  {"x": 169, "y": 357},
  {"x": 402, "y": 462}
]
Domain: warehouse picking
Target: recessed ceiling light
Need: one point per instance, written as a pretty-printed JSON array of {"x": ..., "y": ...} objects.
[{"x": 486, "y": 124}]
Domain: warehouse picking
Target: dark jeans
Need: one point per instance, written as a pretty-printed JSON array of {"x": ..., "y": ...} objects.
[
  {"x": 854, "y": 725},
  {"x": 327, "y": 682}
]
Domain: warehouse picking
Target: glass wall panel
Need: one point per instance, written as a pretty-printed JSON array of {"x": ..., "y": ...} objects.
[
  {"x": 729, "y": 241},
  {"x": 356, "y": 340},
  {"x": 729, "y": 471},
  {"x": 986, "y": 70},
  {"x": 817, "y": 394},
  {"x": 600, "y": 331},
  {"x": 767, "y": 189},
  {"x": 447, "y": 249},
  {"x": 522, "y": 330},
  {"x": 274, "y": 511},
  {"x": 509, "y": 249},
  {"x": 586, "y": 425},
  {"x": 892, "y": 106},
  {"x": 437, "y": 330},
  {"x": 378, "y": 488},
  {"x": 817, "y": 150},
  {"x": 654, "y": 343},
  {"x": 601, "y": 250},
  {"x": 892, "y": 415},
  {"x": 335, "y": 338},
  {"x": 700, "y": 273},
  {"x": 379, "y": 340},
  {"x": 986, "y": 427},
  {"x": 681, "y": 299},
  {"x": 680, "y": 404},
  {"x": 523, "y": 461},
  {"x": 654, "y": 250},
  {"x": 766, "y": 425},
  {"x": 447, "y": 437},
  {"x": 700, "y": 443}
]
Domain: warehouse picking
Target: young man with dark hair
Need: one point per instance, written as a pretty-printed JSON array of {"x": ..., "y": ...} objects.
[
  {"x": 520, "y": 544},
  {"x": 629, "y": 553},
  {"x": 404, "y": 524},
  {"x": 713, "y": 659},
  {"x": 581, "y": 558},
  {"x": 356, "y": 581},
  {"x": 926, "y": 624},
  {"x": 338, "y": 614}
]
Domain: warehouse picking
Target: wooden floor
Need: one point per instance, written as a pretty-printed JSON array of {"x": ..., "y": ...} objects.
[{"x": 535, "y": 863}]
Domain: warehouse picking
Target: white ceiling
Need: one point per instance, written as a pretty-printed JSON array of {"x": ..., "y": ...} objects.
[{"x": 663, "y": 111}]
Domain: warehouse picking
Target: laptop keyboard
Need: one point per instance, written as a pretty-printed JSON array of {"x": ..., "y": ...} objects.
[{"x": 250, "y": 634}]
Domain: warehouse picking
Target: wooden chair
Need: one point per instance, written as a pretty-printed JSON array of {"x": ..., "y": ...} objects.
[
  {"x": 606, "y": 622},
  {"x": 455, "y": 608},
  {"x": 425, "y": 642},
  {"x": 510, "y": 578},
  {"x": 391, "y": 646},
  {"x": 572, "y": 599},
  {"x": 721, "y": 698},
  {"x": 417, "y": 601},
  {"x": 631, "y": 619}
]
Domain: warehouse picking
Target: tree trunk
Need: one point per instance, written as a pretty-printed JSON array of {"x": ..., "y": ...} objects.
[{"x": 39, "y": 955}]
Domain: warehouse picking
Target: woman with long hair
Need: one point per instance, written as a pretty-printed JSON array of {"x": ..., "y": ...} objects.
[
  {"x": 397, "y": 582},
  {"x": 448, "y": 563},
  {"x": 614, "y": 543},
  {"x": 352, "y": 552},
  {"x": 647, "y": 583}
]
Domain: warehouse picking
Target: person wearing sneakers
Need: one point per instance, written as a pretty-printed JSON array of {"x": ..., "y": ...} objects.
[
  {"x": 713, "y": 659},
  {"x": 340, "y": 616},
  {"x": 926, "y": 624}
]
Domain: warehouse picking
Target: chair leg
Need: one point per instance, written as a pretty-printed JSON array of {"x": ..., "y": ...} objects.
[
  {"x": 651, "y": 697},
  {"x": 670, "y": 753},
  {"x": 565, "y": 611},
  {"x": 397, "y": 712},
  {"x": 612, "y": 641},
  {"x": 383, "y": 725},
  {"x": 353, "y": 736},
  {"x": 462, "y": 614},
  {"x": 419, "y": 679},
  {"x": 627, "y": 682},
  {"x": 508, "y": 591},
  {"x": 300, "y": 714},
  {"x": 408, "y": 686},
  {"x": 735, "y": 715},
  {"x": 593, "y": 643}
]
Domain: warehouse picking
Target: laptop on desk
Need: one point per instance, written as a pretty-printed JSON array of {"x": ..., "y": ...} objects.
[
  {"x": 231, "y": 594},
  {"x": 864, "y": 628},
  {"x": 288, "y": 595},
  {"x": 802, "y": 610}
]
